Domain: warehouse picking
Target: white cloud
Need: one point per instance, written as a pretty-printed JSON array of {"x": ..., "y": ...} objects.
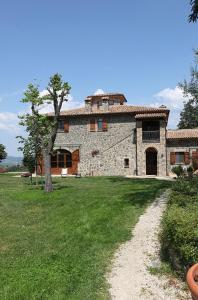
[
  {"x": 99, "y": 92},
  {"x": 9, "y": 122},
  {"x": 7, "y": 116},
  {"x": 44, "y": 93},
  {"x": 174, "y": 100}
]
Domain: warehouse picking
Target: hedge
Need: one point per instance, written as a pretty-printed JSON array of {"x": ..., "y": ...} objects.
[{"x": 179, "y": 233}]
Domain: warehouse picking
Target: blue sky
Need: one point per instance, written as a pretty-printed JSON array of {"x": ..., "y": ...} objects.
[{"x": 141, "y": 48}]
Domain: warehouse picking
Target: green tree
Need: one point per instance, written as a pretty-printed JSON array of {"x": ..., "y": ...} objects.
[
  {"x": 194, "y": 11},
  {"x": 42, "y": 129},
  {"x": 3, "y": 153},
  {"x": 31, "y": 150},
  {"x": 189, "y": 114}
]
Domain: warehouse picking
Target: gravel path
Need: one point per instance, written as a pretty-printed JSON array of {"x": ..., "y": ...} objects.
[{"x": 130, "y": 277}]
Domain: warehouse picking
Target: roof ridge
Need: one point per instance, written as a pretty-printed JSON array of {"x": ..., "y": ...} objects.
[{"x": 113, "y": 110}]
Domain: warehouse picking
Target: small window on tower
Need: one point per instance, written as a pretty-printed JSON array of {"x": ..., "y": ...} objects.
[
  {"x": 99, "y": 103},
  {"x": 126, "y": 162}
]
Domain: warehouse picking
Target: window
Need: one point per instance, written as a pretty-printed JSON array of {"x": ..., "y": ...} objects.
[
  {"x": 99, "y": 103},
  {"x": 61, "y": 159},
  {"x": 150, "y": 131},
  {"x": 179, "y": 157},
  {"x": 126, "y": 162},
  {"x": 54, "y": 161},
  {"x": 150, "y": 125},
  {"x": 100, "y": 123},
  {"x": 111, "y": 102},
  {"x": 61, "y": 125},
  {"x": 68, "y": 160}
]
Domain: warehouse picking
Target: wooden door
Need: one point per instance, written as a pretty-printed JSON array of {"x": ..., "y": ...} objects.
[
  {"x": 75, "y": 161},
  {"x": 151, "y": 163}
]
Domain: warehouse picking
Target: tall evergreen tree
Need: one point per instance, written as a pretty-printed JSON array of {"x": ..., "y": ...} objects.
[
  {"x": 189, "y": 115},
  {"x": 194, "y": 11}
]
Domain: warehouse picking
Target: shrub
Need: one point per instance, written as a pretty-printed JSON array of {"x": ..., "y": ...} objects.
[
  {"x": 190, "y": 171},
  {"x": 186, "y": 186},
  {"x": 179, "y": 233},
  {"x": 178, "y": 170}
]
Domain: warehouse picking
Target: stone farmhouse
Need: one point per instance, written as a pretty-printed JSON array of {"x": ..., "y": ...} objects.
[{"x": 109, "y": 137}]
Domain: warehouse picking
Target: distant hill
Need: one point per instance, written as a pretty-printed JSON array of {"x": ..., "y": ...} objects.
[{"x": 11, "y": 161}]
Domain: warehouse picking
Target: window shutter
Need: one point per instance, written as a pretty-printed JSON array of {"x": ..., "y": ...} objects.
[
  {"x": 66, "y": 126},
  {"x": 172, "y": 158},
  {"x": 195, "y": 155},
  {"x": 76, "y": 156},
  {"x": 187, "y": 158},
  {"x": 104, "y": 125},
  {"x": 92, "y": 125}
]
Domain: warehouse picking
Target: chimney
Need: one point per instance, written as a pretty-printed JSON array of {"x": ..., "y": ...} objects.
[{"x": 163, "y": 106}]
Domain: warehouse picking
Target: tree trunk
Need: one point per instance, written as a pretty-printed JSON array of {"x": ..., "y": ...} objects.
[{"x": 47, "y": 169}]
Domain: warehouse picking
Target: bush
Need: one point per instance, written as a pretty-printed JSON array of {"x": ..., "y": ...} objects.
[
  {"x": 178, "y": 170},
  {"x": 179, "y": 234},
  {"x": 16, "y": 168},
  {"x": 190, "y": 171},
  {"x": 186, "y": 186}
]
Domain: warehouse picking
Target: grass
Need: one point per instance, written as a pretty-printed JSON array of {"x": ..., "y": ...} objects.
[{"x": 60, "y": 245}]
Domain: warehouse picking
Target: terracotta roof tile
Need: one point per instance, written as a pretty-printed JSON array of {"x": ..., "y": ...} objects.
[
  {"x": 182, "y": 133},
  {"x": 113, "y": 110},
  {"x": 151, "y": 115}
]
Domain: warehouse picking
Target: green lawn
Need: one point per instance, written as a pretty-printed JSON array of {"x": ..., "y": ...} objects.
[{"x": 60, "y": 245}]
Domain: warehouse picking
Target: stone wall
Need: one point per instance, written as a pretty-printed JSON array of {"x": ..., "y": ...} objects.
[
  {"x": 159, "y": 146},
  {"x": 113, "y": 145}
]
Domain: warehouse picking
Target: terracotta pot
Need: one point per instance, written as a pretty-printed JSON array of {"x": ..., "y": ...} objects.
[{"x": 191, "y": 278}]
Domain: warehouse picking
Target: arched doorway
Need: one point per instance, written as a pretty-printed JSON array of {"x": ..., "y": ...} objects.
[{"x": 151, "y": 161}]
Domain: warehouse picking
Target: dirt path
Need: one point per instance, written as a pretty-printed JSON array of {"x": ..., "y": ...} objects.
[{"x": 130, "y": 277}]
